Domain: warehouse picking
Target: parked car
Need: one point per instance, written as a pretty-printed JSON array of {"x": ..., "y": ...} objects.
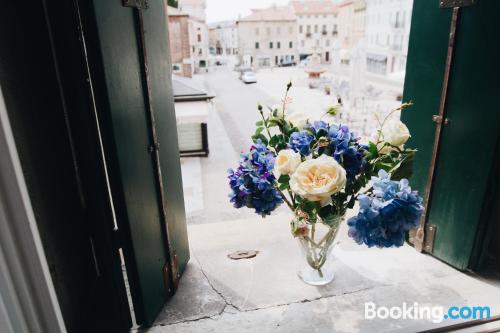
[
  {"x": 241, "y": 70},
  {"x": 287, "y": 63},
  {"x": 305, "y": 62},
  {"x": 248, "y": 77}
]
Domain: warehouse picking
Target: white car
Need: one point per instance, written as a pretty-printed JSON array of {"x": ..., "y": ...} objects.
[{"x": 249, "y": 77}]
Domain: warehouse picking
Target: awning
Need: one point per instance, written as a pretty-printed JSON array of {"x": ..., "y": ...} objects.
[{"x": 376, "y": 57}]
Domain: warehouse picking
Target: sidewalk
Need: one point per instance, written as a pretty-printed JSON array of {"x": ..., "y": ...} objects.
[{"x": 264, "y": 294}]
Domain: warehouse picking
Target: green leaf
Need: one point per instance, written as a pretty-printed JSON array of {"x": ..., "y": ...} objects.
[
  {"x": 372, "y": 149},
  {"x": 284, "y": 186},
  {"x": 284, "y": 179},
  {"x": 261, "y": 137},
  {"x": 280, "y": 146},
  {"x": 321, "y": 133},
  {"x": 259, "y": 123},
  {"x": 259, "y": 130},
  {"x": 332, "y": 111},
  {"x": 403, "y": 169},
  {"x": 274, "y": 140}
]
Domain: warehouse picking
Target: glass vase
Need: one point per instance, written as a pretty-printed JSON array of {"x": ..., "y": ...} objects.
[{"x": 316, "y": 242}]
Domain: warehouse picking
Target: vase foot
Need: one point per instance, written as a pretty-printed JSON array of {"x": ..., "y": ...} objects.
[{"x": 314, "y": 277}]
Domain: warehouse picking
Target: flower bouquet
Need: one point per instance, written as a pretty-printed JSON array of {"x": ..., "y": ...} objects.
[{"x": 319, "y": 170}]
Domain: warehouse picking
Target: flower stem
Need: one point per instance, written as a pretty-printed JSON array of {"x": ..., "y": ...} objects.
[
  {"x": 265, "y": 123},
  {"x": 286, "y": 199}
]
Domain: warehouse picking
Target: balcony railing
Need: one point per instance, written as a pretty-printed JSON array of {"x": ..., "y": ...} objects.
[
  {"x": 324, "y": 32},
  {"x": 308, "y": 35}
]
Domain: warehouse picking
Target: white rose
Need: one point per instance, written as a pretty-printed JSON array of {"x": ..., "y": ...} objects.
[
  {"x": 318, "y": 179},
  {"x": 394, "y": 132},
  {"x": 298, "y": 119},
  {"x": 287, "y": 161}
]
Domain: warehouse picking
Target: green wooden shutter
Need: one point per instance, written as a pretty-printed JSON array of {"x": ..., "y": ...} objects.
[
  {"x": 467, "y": 144},
  {"x": 152, "y": 254}
]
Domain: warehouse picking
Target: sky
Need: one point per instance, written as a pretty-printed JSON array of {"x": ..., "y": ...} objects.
[{"x": 222, "y": 10}]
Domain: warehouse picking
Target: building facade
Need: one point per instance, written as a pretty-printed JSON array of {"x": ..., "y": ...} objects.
[
  {"x": 268, "y": 37},
  {"x": 180, "y": 48},
  {"x": 198, "y": 37},
  {"x": 317, "y": 22},
  {"x": 198, "y": 32},
  {"x": 351, "y": 21},
  {"x": 194, "y": 8},
  {"x": 223, "y": 38},
  {"x": 388, "y": 32}
]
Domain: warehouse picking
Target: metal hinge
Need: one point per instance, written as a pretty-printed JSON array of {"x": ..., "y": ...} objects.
[
  {"x": 430, "y": 234},
  {"x": 456, "y": 3},
  {"x": 139, "y": 4},
  {"x": 171, "y": 274},
  {"x": 439, "y": 119}
]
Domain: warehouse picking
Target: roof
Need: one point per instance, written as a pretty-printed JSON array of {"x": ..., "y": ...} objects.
[
  {"x": 222, "y": 24},
  {"x": 314, "y": 7},
  {"x": 186, "y": 90},
  {"x": 274, "y": 13},
  {"x": 192, "y": 2},
  {"x": 346, "y": 3},
  {"x": 172, "y": 11}
]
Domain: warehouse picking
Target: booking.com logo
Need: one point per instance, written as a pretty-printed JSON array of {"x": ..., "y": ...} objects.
[{"x": 418, "y": 312}]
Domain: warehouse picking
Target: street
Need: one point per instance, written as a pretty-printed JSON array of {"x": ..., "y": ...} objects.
[{"x": 232, "y": 123}]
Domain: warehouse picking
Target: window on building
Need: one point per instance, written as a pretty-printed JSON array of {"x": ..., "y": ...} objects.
[
  {"x": 199, "y": 38},
  {"x": 315, "y": 28},
  {"x": 270, "y": 45},
  {"x": 302, "y": 43},
  {"x": 324, "y": 28},
  {"x": 256, "y": 45},
  {"x": 300, "y": 29},
  {"x": 290, "y": 44},
  {"x": 327, "y": 42},
  {"x": 278, "y": 45},
  {"x": 268, "y": 30},
  {"x": 257, "y": 31},
  {"x": 308, "y": 29}
]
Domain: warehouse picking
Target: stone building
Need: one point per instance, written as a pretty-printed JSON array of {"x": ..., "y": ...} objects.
[
  {"x": 268, "y": 37},
  {"x": 195, "y": 8},
  {"x": 180, "y": 48},
  {"x": 317, "y": 27},
  {"x": 387, "y": 35},
  {"x": 223, "y": 38},
  {"x": 198, "y": 32},
  {"x": 351, "y": 22}
]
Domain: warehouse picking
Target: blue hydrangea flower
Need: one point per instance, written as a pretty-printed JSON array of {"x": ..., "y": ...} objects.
[
  {"x": 385, "y": 217},
  {"x": 252, "y": 183},
  {"x": 301, "y": 142},
  {"x": 316, "y": 126},
  {"x": 347, "y": 151}
]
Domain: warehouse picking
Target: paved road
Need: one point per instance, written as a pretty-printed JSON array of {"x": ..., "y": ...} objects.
[
  {"x": 230, "y": 127},
  {"x": 236, "y": 104}
]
